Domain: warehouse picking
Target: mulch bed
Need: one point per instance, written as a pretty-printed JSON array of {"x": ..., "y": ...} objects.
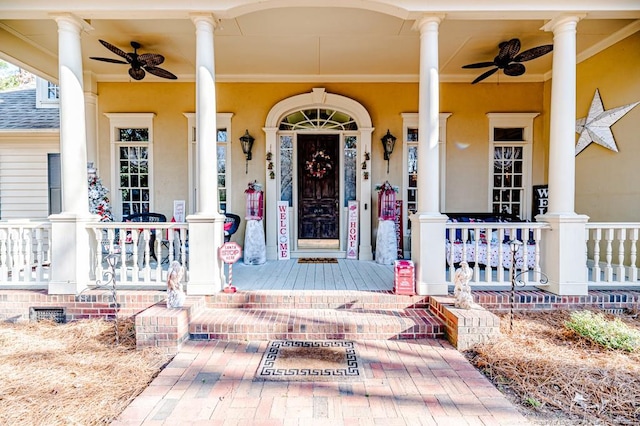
[
  {"x": 71, "y": 374},
  {"x": 555, "y": 373}
]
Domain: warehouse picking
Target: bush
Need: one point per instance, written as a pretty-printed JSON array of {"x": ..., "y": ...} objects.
[{"x": 611, "y": 334}]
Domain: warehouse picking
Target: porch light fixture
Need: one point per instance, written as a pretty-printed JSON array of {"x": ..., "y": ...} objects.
[
  {"x": 247, "y": 143},
  {"x": 388, "y": 142}
]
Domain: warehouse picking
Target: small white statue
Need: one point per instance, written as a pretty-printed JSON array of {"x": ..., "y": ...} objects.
[
  {"x": 462, "y": 289},
  {"x": 175, "y": 293}
]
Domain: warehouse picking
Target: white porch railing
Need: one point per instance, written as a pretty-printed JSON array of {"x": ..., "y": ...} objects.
[
  {"x": 131, "y": 243},
  {"x": 612, "y": 254},
  {"x": 485, "y": 246},
  {"x": 25, "y": 254}
]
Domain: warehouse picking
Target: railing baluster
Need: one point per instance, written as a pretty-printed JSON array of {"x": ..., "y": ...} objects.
[
  {"x": 633, "y": 267},
  {"x": 4, "y": 270},
  {"x": 596, "y": 255},
  {"x": 476, "y": 255},
  {"x": 622, "y": 236},
  {"x": 609, "y": 255}
]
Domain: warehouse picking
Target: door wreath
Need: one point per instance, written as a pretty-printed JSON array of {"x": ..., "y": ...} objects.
[{"x": 319, "y": 165}]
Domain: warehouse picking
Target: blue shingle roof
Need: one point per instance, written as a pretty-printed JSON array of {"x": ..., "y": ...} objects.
[{"x": 18, "y": 111}]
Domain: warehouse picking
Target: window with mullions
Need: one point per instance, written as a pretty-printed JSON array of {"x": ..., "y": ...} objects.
[
  {"x": 508, "y": 187},
  {"x": 222, "y": 167},
  {"x": 510, "y": 141},
  {"x": 131, "y": 136},
  {"x": 134, "y": 171},
  {"x": 318, "y": 119}
]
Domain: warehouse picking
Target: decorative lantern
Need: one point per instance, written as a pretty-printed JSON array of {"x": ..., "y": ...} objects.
[
  {"x": 388, "y": 142},
  {"x": 255, "y": 204},
  {"x": 246, "y": 141},
  {"x": 386, "y": 201}
]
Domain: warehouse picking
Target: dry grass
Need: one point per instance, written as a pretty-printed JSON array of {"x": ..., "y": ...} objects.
[
  {"x": 71, "y": 374},
  {"x": 559, "y": 376}
]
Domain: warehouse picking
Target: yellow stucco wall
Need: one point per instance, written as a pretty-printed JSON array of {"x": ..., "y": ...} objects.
[
  {"x": 467, "y": 169},
  {"x": 607, "y": 182}
]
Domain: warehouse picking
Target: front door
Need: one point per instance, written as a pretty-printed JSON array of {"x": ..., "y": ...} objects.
[{"x": 318, "y": 191}]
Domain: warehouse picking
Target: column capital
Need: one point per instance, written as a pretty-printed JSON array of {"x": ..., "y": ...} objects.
[
  {"x": 426, "y": 19},
  {"x": 203, "y": 17},
  {"x": 563, "y": 21},
  {"x": 65, "y": 19}
]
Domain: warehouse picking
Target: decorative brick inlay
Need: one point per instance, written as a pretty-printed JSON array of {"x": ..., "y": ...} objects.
[{"x": 465, "y": 327}]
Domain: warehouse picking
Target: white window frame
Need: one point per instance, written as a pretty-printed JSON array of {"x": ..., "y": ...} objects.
[
  {"x": 42, "y": 95},
  {"x": 410, "y": 121},
  {"x": 223, "y": 120},
  {"x": 129, "y": 121},
  {"x": 513, "y": 120}
]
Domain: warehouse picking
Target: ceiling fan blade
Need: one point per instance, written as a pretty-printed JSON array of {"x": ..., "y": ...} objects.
[
  {"x": 479, "y": 65},
  {"x": 485, "y": 75},
  {"x": 136, "y": 73},
  {"x": 536, "y": 52},
  {"x": 115, "y": 61},
  {"x": 514, "y": 69},
  {"x": 114, "y": 49},
  {"x": 150, "y": 59},
  {"x": 508, "y": 49},
  {"x": 161, "y": 73}
]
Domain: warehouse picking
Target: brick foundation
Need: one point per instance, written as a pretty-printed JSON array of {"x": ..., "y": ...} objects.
[
  {"x": 465, "y": 327},
  {"x": 166, "y": 328},
  {"x": 15, "y": 304}
]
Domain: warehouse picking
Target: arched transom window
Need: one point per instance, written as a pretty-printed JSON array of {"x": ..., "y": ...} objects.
[{"x": 318, "y": 119}]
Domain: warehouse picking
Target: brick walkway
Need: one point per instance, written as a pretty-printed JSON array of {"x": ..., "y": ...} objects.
[{"x": 407, "y": 382}]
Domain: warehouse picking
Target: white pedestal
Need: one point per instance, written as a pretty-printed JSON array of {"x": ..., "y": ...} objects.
[
  {"x": 386, "y": 243},
  {"x": 255, "y": 252}
]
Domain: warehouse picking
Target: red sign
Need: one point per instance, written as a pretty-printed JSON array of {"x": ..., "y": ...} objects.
[{"x": 230, "y": 252}]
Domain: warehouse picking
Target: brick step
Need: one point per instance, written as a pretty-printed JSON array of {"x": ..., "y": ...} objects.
[
  {"x": 315, "y": 324},
  {"x": 318, "y": 299}
]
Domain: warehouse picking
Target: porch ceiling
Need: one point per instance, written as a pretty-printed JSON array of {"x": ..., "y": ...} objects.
[{"x": 302, "y": 43}]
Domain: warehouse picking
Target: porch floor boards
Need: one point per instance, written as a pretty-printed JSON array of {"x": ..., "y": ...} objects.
[{"x": 291, "y": 275}]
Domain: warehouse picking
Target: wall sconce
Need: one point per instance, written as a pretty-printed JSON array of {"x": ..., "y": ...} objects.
[
  {"x": 247, "y": 143},
  {"x": 388, "y": 142}
]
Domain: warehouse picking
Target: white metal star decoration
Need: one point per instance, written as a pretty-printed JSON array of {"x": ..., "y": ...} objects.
[{"x": 596, "y": 127}]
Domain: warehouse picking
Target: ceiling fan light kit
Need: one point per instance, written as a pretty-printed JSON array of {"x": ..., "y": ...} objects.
[
  {"x": 140, "y": 64},
  {"x": 509, "y": 60}
]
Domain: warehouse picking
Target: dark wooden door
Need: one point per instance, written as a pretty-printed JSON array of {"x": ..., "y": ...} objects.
[{"x": 318, "y": 187}]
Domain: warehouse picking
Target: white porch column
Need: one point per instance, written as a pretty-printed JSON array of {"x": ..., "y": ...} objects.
[
  {"x": 563, "y": 256},
  {"x": 70, "y": 240},
  {"x": 428, "y": 224},
  {"x": 206, "y": 235},
  {"x": 365, "y": 250},
  {"x": 91, "y": 117},
  {"x": 271, "y": 192}
]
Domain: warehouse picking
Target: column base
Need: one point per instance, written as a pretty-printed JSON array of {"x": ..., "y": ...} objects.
[
  {"x": 563, "y": 254},
  {"x": 428, "y": 253},
  {"x": 206, "y": 270},
  {"x": 70, "y": 253}
]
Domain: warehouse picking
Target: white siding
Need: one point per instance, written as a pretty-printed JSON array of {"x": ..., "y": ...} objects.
[{"x": 23, "y": 174}]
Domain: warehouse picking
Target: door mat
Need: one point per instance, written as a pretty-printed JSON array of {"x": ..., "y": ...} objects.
[
  {"x": 317, "y": 260},
  {"x": 310, "y": 361}
]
